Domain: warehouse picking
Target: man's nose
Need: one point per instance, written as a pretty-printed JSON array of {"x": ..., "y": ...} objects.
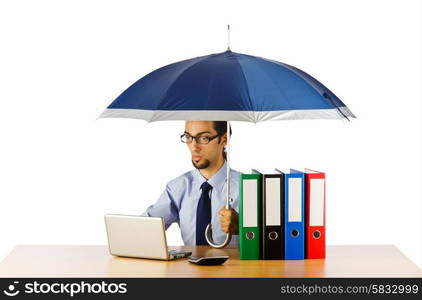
[{"x": 195, "y": 144}]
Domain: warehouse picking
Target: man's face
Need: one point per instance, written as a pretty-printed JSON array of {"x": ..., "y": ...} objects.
[{"x": 204, "y": 155}]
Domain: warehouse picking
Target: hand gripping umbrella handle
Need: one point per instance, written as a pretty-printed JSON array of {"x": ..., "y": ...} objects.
[
  {"x": 208, "y": 235},
  {"x": 208, "y": 231}
]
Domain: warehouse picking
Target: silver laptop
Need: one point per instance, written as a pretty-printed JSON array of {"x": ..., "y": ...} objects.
[{"x": 141, "y": 237}]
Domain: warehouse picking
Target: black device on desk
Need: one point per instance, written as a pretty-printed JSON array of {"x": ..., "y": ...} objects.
[{"x": 208, "y": 260}]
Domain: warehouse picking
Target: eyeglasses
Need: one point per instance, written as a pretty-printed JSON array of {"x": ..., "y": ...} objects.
[{"x": 186, "y": 138}]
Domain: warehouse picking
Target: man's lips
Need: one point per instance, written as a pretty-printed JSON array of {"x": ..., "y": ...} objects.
[{"x": 196, "y": 157}]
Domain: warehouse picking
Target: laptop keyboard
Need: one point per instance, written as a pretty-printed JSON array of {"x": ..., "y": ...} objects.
[{"x": 179, "y": 253}]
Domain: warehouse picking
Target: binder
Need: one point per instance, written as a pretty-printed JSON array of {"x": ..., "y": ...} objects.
[
  {"x": 294, "y": 215},
  {"x": 315, "y": 214},
  {"x": 272, "y": 239},
  {"x": 250, "y": 216}
]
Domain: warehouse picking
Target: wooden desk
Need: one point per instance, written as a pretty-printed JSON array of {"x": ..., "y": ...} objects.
[{"x": 95, "y": 261}]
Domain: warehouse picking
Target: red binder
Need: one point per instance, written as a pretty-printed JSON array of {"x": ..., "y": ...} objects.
[{"x": 315, "y": 214}]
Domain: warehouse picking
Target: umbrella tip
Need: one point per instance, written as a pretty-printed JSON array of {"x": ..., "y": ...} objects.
[{"x": 228, "y": 37}]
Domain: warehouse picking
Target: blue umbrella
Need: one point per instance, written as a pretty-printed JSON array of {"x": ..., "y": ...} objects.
[{"x": 227, "y": 86}]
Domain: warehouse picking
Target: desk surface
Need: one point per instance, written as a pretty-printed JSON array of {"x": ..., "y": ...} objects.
[{"x": 95, "y": 261}]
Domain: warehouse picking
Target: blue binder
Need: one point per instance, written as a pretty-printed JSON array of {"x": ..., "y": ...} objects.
[{"x": 294, "y": 215}]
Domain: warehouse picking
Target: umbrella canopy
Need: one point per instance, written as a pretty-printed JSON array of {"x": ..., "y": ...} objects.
[{"x": 227, "y": 86}]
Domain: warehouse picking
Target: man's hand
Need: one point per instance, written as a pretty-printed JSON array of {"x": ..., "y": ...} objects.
[{"x": 229, "y": 220}]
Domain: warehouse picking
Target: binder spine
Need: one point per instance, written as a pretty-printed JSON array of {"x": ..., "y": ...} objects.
[
  {"x": 272, "y": 221},
  {"x": 315, "y": 215},
  {"x": 250, "y": 221},
  {"x": 294, "y": 201}
]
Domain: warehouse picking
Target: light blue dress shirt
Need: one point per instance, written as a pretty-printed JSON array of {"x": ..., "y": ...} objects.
[{"x": 179, "y": 201}]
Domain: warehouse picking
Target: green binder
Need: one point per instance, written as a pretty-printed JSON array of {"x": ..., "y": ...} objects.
[{"x": 250, "y": 216}]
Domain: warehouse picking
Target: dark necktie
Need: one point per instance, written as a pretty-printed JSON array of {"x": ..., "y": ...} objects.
[{"x": 203, "y": 214}]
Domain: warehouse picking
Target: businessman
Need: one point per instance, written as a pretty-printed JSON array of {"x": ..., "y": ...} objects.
[{"x": 198, "y": 197}]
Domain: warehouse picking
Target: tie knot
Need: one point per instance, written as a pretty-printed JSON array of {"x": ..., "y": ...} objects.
[{"x": 206, "y": 186}]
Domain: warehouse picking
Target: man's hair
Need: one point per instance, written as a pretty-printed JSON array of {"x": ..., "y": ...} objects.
[{"x": 221, "y": 128}]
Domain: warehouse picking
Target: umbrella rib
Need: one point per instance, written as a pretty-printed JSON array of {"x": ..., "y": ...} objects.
[
  {"x": 277, "y": 87},
  {"x": 247, "y": 90}
]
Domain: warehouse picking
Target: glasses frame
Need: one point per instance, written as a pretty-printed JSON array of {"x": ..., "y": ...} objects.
[{"x": 196, "y": 139}]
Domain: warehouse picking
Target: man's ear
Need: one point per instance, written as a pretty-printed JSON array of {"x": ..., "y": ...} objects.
[{"x": 224, "y": 139}]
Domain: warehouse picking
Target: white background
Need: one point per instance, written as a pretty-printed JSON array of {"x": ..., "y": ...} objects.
[{"x": 63, "y": 62}]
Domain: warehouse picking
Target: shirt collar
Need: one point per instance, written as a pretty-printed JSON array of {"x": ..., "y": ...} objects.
[{"x": 217, "y": 181}]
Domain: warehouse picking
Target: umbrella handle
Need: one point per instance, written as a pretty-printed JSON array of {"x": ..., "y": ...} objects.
[
  {"x": 208, "y": 237},
  {"x": 208, "y": 232}
]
